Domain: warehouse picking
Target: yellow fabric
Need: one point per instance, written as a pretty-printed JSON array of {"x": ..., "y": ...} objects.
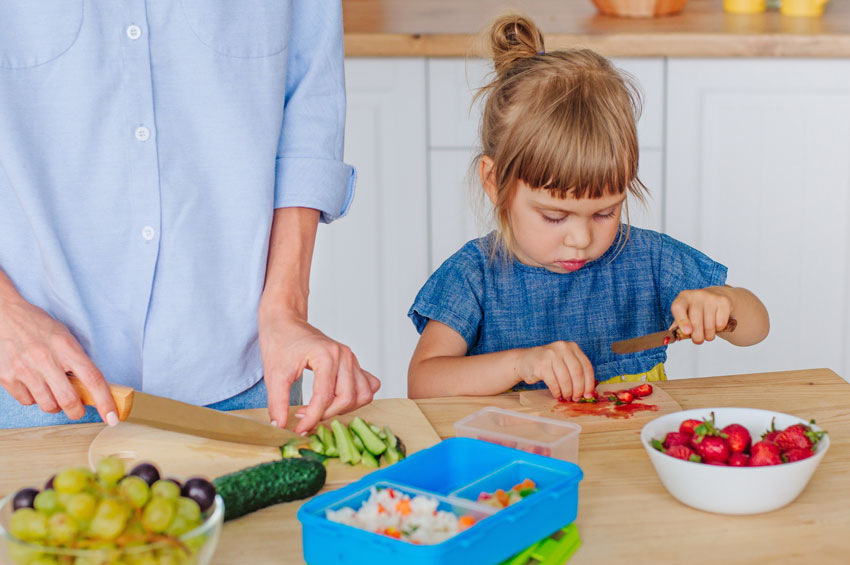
[{"x": 653, "y": 375}]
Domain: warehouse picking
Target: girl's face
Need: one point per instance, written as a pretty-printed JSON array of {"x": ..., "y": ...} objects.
[{"x": 561, "y": 235}]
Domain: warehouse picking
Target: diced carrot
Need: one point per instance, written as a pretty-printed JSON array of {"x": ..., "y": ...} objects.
[
  {"x": 381, "y": 509},
  {"x": 403, "y": 507},
  {"x": 527, "y": 483},
  {"x": 502, "y": 496},
  {"x": 393, "y": 533},
  {"x": 465, "y": 522}
]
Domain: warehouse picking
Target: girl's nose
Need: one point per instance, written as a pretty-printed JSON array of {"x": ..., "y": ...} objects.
[{"x": 578, "y": 234}]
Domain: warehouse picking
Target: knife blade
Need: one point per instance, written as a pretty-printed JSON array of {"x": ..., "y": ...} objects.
[
  {"x": 659, "y": 339},
  {"x": 160, "y": 412}
]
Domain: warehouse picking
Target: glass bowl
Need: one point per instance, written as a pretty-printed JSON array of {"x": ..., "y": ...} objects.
[{"x": 196, "y": 546}]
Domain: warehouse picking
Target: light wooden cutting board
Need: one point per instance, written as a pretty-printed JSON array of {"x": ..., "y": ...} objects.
[
  {"x": 184, "y": 456},
  {"x": 603, "y": 416}
]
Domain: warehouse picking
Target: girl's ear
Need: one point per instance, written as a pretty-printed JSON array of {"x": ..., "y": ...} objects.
[{"x": 488, "y": 180}]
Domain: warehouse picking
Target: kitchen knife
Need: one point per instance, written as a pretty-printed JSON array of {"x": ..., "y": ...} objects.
[
  {"x": 173, "y": 415},
  {"x": 659, "y": 339}
]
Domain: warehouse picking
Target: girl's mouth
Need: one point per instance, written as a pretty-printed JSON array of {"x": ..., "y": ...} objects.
[{"x": 571, "y": 266}]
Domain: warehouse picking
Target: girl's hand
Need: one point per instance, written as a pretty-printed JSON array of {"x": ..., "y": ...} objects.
[
  {"x": 562, "y": 365},
  {"x": 703, "y": 312}
]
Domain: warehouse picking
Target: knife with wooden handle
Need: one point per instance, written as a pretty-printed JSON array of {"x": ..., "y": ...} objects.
[
  {"x": 659, "y": 339},
  {"x": 159, "y": 412}
]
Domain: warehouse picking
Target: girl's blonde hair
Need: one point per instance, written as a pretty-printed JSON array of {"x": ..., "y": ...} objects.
[{"x": 563, "y": 121}]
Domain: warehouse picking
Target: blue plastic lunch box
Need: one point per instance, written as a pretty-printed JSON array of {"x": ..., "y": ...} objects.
[{"x": 455, "y": 472}]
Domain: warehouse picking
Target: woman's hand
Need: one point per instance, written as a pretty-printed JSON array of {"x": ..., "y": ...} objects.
[
  {"x": 36, "y": 352},
  {"x": 562, "y": 365},
  {"x": 290, "y": 345}
]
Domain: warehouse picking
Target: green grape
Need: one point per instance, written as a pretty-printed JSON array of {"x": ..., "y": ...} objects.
[
  {"x": 61, "y": 528},
  {"x": 165, "y": 489},
  {"x": 195, "y": 543},
  {"x": 189, "y": 509},
  {"x": 28, "y": 524},
  {"x": 109, "y": 519},
  {"x": 158, "y": 514},
  {"x": 179, "y": 525},
  {"x": 72, "y": 481},
  {"x": 110, "y": 470},
  {"x": 44, "y": 559},
  {"x": 64, "y": 498},
  {"x": 21, "y": 554},
  {"x": 135, "y": 490},
  {"x": 47, "y": 502},
  {"x": 171, "y": 556},
  {"x": 81, "y": 506},
  {"x": 146, "y": 558}
]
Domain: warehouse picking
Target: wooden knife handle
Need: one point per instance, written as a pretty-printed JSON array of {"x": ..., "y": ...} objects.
[
  {"x": 730, "y": 327},
  {"x": 122, "y": 395}
]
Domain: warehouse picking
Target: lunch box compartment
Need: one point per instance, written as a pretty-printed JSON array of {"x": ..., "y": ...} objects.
[
  {"x": 506, "y": 477},
  {"x": 453, "y": 466},
  {"x": 543, "y": 436}
]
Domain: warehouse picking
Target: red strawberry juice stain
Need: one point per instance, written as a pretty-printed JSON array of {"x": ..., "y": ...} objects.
[{"x": 604, "y": 407}]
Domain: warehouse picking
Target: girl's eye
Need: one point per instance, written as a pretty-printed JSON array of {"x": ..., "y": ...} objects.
[
  {"x": 554, "y": 220},
  {"x": 605, "y": 216}
]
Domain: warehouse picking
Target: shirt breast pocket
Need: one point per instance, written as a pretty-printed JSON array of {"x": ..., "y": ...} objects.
[
  {"x": 34, "y": 33},
  {"x": 243, "y": 29}
]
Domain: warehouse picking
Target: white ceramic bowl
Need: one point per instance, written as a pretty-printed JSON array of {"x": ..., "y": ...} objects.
[{"x": 731, "y": 490}]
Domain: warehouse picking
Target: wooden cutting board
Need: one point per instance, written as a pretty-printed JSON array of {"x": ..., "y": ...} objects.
[
  {"x": 605, "y": 416},
  {"x": 184, "y": 456}
]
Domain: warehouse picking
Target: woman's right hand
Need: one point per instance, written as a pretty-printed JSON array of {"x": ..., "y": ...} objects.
[
  {"x": 36, "y": 353},
  {"x": 562, "y": 365}
]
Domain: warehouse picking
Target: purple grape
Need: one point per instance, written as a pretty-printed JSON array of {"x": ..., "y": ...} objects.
[
  {"x": 24, "y": 498},
  {"x": 49, "y": 484},
  {"x": 146, "y": 472},
  {"x": 175, "y": 481},
  {"x": 200, "y": 490}
]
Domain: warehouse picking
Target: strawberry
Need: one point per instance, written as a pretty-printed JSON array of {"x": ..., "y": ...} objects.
[
  {"x": 677, "y": 438},
  {"x": 797, "y": 454},
  {"x": 683, "y": 452},
  {"x": 713, "y": 449},
  {"x": 718, "y": 463},
  {"x": 798, "y": 436},
  {"x": 625, "y": 396},
  {"x": 644, "y": 389},
  {"x": 688, "y": 426},
  {"x": 738, "y": 437},
  {"x": 765, "y": 453},
  {"x": 770, "y": 435},
  {"x": 739, "y": 459}
]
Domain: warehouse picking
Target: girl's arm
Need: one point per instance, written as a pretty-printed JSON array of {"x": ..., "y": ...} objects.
[
  {"x": 704, "y": 311},
  {"x": 440, "y": 367}
]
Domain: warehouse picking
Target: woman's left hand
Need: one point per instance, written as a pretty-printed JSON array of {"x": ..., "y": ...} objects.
[{"x": 288, "y": 346}]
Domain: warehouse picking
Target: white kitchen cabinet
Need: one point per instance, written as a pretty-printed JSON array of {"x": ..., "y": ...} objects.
[
  {"x": 758, "y": 177},
  {"x": 457, "y": 211},
  {"x": 368, "y": 266}
]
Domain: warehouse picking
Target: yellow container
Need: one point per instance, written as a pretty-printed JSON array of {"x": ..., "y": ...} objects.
[
  {"x": 809, "y": 8},
  {"x": 745, "y": 6}
]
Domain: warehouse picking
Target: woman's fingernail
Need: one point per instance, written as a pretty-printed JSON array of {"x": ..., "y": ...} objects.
[
  {"x": 112, "y": 419},
  {"x": 274, "y": 423}
]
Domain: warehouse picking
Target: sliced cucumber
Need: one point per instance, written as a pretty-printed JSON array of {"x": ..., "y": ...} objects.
[
  {"x": 369, "y": 460},
  {"x": 316, "y": 444},
  {"x": 348, "y": 453},
  {"x": 371, "y": 442},
  {"x": 358, "y": 443}
]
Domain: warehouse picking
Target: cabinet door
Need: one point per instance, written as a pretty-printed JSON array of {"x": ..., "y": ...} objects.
[
  {"x": 458, "y": 212},
  {"x": 757, "y": 177},
  {"x": 368, "y": 266}
]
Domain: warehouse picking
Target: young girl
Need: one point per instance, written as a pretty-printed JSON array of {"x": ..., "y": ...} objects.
[{"x": 538, "y": 302}]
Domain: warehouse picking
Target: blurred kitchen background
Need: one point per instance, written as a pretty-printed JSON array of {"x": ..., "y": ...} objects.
[{"x": 745, "y": 148}]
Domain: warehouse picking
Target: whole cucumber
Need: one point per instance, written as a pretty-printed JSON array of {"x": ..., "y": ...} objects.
[{"x": 270, "y": 483}]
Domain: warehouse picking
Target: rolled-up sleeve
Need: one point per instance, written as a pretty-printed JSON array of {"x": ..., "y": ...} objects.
[{"x": 309, "y": 171}]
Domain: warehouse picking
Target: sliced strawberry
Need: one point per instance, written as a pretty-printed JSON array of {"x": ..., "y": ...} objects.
[
  {"x": 765, "y": 453},
  {"x": 644, "y": 389},
  {"x": 625, "y": 397},
  {"x": 683, "y": 452},
  {"x": 797, "y": 454},
  {"x": 738, "y": 437},
  {"x": 677, "y": 438}
]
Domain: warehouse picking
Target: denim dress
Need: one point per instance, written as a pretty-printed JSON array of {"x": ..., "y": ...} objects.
[{"x": 498, "y": 304}]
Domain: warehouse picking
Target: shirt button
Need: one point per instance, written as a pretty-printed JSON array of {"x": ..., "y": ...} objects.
[
  {"x": 134, "y": 32},
  {"x": 143, "y": 133},
  {"x": 148, "y": 233}
]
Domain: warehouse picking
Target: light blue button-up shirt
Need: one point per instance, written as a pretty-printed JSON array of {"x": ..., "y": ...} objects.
[{"x": 143, "y": 148}]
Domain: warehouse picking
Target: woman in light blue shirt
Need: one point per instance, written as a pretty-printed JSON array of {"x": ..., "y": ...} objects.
[{"x": 163, "y": 169}]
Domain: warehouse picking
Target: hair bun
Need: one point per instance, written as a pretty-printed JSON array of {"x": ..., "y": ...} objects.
[{"x": 513, "y": 37}]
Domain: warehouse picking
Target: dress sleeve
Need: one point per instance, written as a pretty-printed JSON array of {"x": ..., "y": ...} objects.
[
  {"x": 682, "y": 267},
  {"x": 454, "y": 295},
  {"x": 309, "y": 168}
]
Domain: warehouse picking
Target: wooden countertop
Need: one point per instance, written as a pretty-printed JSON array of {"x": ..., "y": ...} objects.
[
  {"x": 625, "y": 515},
  {"x": 447, "y": 28}
]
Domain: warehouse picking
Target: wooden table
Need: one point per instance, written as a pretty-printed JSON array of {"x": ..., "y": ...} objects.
[
  {"x": 448, "y": 28},
  {"x": 625, "y": 515}
]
